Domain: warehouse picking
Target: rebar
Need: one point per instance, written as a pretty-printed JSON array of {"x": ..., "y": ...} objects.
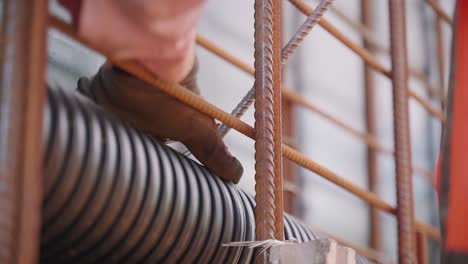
[
  {"x": 289, "y": 168},
  {"x": 22, "y": 95},
  {"x": 375, "y": 46},
  {"x": 294, "y": 97},
  {"x": 363, "y": 30},
  {"x": 277, "y": 119},
  {"x": 404, "y": 183},
  {"x": 439, "y": 11},
  {"x": 209, "y": 109},
  {"x": 286, "y": 52},
  {"x": 367, "y": 8},
  {"x": 366, "y": 56},
  {"x": 304, "y": 30},
  {"x": 440, "y": 56},
  {"x": 422, "y": 248},
  {"x": 264, "y": 122}
]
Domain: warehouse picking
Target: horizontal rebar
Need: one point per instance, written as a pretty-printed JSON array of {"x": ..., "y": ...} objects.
[
  {"x": 291, "y": 95},
  {"x": 375, "y": 45},
  {"x": 198, "y": 103},
  {"x": 289, "y": 49},
  {"x": 439, "y": 11},
  {"x": 366, "y": 56}
]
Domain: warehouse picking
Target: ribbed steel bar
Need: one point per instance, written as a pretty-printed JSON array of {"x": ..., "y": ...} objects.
[
  {"x": 367, "y": 8},
  {"x": 277, "y": 118},
  {"x": 374, "y": 45},
  {"x": 366, "y": 56},
  {"x": 286, "y": 52},
  {"x": 264, "y": 121},
  {"x": 201, "y": 105},
  {"x": 439, "y": 11},
  {"x": 294, "y": 97},
  {"x": 304, "y": 30},
  {"x": 22, "y": 94},
  {"x": 404, "y": 182}
]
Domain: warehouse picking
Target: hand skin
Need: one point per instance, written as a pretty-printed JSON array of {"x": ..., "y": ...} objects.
[{"x": 160, "y": 34}]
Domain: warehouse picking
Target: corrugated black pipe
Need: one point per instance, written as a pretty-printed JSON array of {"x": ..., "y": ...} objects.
[{"x": 115, "y": 195}]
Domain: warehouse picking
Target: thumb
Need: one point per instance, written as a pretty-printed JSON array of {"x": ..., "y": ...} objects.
[{"x": 208, "y": 147}]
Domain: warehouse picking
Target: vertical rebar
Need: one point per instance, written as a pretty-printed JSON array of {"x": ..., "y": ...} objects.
[
  {"x": 440, "y": 56},
  {"x": 22, "y": 95},
  {"x": 422, "y": 249},
  {"x": 289, "y": 168},
  {"x": 404, "y": 184},
  {"x": 371, "y": 125},
  {"x": 264, "y": 122},
  {"x": 277, "y": 81},
  {"x": 286, "y": 52}
]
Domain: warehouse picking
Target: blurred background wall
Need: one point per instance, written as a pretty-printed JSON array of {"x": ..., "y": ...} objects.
[{"x": 327, "y": 74}]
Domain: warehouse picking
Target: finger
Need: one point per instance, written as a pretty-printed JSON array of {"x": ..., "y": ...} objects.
[
  {"x": 208, "y": 147},
  {"x": 84, "y": 88}
]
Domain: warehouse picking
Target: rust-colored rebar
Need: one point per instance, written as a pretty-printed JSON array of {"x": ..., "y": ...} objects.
[
  {"x": 304, "y": 30},
  {"x": 422, "y": 249},
  {"x": 288, "y": 137},
  {"x": 289, "y": 169},
  {"x": 286, "y": 52},
  {"x": 22, "y": 96},
  {"x": 440, "y": 56},
  {"x": 362, "y": 29},
  {"x": 371, "y": 127},
  {"x": 264, "y": 122},
  {"x": 277, "y": 118},
  {"x": 439, "y": 11},
  {"x": 404, "y": 181},
  {"x": 366, "y": 56},
  {"x": 290, "y": 95},
  {"x": 374, "y": 46},
  {"x": 201, "y": 105}
]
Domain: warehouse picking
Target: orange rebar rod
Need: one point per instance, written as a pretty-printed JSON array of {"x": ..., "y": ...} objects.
[
  {"x": 198, "y": 103},
  {"x": 368, "y": 36},
  {"x": 291, "y": 95},
  {"x": 366, "y": 56},
  {"x": 439, "y": 11}
]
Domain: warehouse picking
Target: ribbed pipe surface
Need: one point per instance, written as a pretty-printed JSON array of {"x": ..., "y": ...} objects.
[{"x": 115, "y": 195}]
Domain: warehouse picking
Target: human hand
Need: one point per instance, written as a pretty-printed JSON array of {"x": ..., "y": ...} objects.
[
  {"x": 160, "y": 34},
  {"x": 162, "y": 116}
]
